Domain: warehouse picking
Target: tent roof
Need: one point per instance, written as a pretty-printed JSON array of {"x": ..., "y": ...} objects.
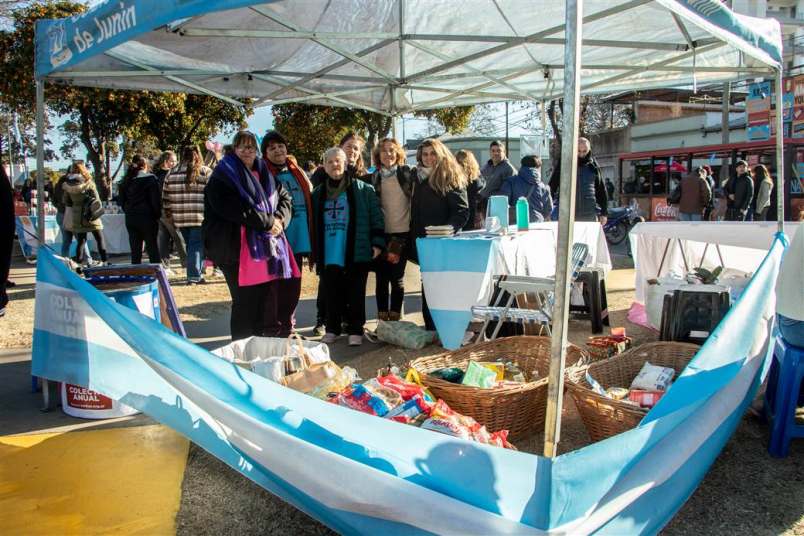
[{"x": 396, "y": 56}]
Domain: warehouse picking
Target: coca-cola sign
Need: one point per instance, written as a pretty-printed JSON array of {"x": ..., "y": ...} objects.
[{"x": 661, "y": 211}]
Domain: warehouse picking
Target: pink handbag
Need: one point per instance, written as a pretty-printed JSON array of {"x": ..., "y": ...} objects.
[{"x": 251, "y": 272}]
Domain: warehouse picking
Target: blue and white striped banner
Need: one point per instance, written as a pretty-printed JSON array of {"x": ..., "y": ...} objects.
[{"x": 360, "y": 474}]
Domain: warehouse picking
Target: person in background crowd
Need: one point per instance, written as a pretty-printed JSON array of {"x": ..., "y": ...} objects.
[
  {"x": 245, "y": 210},
  {"x": 79, "y": 187},
  {"x": 66, "y": 234},
  {"x": 739, "y": 192},
  {"x": 710, "y": 180},
  {"x": 591, "y": 202},
  {"x": 352, "y": 144},
  {"x": 140, "y": 198},
  {"x": 692, "y": 196},
  {"x": 763, "y": 185},
  {"x": 310, "y": 167},
  {"x": 168, "y": 237},
  {"x": 350, "y": 235},
  {"x": 609, "y": 189},
  {"x": 475, "y": 183},
  {"x": 27, "y": 187},
  {"x": 283, "y": 167},
  {"x": 496, "y": 170},
  {"x": 6, "y": 234},
  {"x": 439, "y": 198},
  {"x": 528, "y": 184},
  {"x": 393, "y": 182},
  {"x": 183, "y": 207}
]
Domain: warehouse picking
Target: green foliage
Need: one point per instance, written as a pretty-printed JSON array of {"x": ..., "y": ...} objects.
[{"x": 453, "y": 120}]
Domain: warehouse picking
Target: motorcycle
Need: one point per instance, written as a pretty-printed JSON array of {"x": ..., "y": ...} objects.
[{"x": 620, "y": 221}]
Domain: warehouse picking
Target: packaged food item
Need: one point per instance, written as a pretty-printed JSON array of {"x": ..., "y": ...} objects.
[
  {"x": 617, "y": 393},
  {"x": 451, "y": 374},
  {"x": 369, "y": 399},
  {"x": 477, "y": 375},
  {"x": 596, "y": 387},
  {"x": 447, "y": 426},
  {"x": 498, "y": 368},
  {"x": 409, "y": 411},
  {"x": 645, "y": 398},
  {"x": 653, "y": 378},
  {"x": 514, "y": 373},
  {"x": 405, "y": 389},
  {"x": 342, "y": 379},
  {"x": 448, "y": 421}
]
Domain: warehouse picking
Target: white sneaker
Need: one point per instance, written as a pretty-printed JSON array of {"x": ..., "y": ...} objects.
[
  {"x": 329, "y": 338},
  {"x": 355, "y": 340}
]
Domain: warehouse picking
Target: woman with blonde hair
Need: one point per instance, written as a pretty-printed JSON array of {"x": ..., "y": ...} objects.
[
  {"x": 82, "y": 210},
  {"x": 393, "y": 182},
  {"x": 183, "y": 207},
  {"x": 763, "y": 185},
  {"x": 439, "y": 198},
  {"x": 475, "y": 183}
]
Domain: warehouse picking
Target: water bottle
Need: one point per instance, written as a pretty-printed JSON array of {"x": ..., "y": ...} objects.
[{"x": 522, "y": 214}]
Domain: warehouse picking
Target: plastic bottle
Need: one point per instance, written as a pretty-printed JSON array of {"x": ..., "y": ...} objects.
[{"x": 522, "y": 214}]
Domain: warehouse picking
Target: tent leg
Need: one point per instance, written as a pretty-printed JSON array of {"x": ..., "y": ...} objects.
[
  {"x": 779, "y": 155},
  {"x": 566, "y": 222},
  {"x": 40, "y": 160}
]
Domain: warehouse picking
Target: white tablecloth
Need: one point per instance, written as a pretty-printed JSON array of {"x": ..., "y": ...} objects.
[
  {"x": 458, "y": 272},
  {"x": 743, "y": 245}
]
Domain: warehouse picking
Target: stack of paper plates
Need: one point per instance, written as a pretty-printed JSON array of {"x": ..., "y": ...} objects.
[{"x": 439, "y": 230}]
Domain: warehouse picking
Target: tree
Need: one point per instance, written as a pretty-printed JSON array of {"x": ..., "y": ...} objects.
[{"x": 311, "y": 129}]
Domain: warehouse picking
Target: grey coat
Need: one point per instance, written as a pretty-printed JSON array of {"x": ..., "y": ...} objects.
[{"x": 495, "y": 177}]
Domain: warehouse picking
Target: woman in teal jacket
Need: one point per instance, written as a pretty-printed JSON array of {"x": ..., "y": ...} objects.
[{"x": 350, "y": 234}]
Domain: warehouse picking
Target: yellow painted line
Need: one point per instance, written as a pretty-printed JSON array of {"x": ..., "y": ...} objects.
[{"x": 114, "y": 481}]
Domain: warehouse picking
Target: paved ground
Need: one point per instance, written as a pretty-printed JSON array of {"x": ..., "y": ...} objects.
[{"x": 49, "y": 467}]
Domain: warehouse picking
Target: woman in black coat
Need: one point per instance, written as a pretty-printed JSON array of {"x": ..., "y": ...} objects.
[
  {"x": 245, "y": 213},
  {"x": 439, "y": 198},
  {"x": 141, "y": 199}
]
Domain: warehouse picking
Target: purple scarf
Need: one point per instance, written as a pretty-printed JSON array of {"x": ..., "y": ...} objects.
[{"x": 262, "y": 245}]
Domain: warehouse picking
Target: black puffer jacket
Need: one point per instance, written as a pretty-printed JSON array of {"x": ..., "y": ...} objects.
[
  {"x": 225, "y": 212},
  {"x": 140, "y": 196},
  {"x": 590, "y": 190},
  {"x": 429, "y": 207},
  {"x": 403, "y": 174},
  {"x": 742, "y": 187}
]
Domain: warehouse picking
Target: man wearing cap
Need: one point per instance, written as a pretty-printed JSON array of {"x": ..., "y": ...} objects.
[{"x": 739, "y": 192}]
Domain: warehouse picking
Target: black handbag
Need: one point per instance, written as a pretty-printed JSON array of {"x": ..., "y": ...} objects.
[{"x": 92, "y": 208}]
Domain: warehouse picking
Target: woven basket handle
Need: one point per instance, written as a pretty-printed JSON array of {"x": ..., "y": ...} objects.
[{"x": 305, "y": 358}]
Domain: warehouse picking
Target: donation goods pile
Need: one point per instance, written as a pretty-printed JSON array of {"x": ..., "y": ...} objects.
[{"x": 645, "y": 390}]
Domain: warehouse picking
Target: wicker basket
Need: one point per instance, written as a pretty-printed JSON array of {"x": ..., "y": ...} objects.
[
  {"x": 519, "y": 408},
  {"x": 605, "y": 417}
]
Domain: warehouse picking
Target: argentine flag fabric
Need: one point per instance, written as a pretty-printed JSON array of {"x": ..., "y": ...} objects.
[
  {"x": 458, "y": 272},
  {"x": 360, "y": 474}
]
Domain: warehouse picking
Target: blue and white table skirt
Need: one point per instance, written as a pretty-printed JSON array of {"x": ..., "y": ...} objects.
[
  {"x": 114, "y": 234},
  {"x": 458, "y": 271}
]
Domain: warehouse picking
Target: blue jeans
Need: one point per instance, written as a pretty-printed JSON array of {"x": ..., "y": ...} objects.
[
  {"x": 67, "y": 239},
  {"x": 792, "y": 330},
  {"x": 688, "y": 216},
  {"x": 195, "y": 251}
]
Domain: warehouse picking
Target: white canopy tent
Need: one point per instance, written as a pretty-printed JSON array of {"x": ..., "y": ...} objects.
[{"x": 399, "y": 56}]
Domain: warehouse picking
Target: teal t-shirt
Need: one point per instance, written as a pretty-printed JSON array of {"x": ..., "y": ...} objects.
[
  {"x": 336, "y": 221},
  {"x": 298, "y": 233}
]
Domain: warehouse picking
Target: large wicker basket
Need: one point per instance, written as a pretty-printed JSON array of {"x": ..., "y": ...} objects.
[
  {"x": 520, "y": 408},
  {"x": 605, "y": 417}
]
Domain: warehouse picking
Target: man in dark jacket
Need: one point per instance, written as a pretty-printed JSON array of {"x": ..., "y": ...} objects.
[
  {"x": 494, "y": 173},
  {"x": 528, "y": 184},
  {"x": 739, "y": 193},
  {"x": 591, "y": 201},
  {"x": 6, "y": 234}
]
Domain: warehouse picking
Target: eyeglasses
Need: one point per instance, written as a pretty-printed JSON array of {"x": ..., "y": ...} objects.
[{"x": 246, "y": 148}]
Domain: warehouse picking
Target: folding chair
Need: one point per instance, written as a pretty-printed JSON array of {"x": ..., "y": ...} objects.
[{"x": 541, "y": 288}]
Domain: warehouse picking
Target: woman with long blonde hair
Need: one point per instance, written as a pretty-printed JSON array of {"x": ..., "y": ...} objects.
[
  {"x": 475, "y": 183},
  {"x": 763, "y": 186},
  {"x": 439, "y": 198}
]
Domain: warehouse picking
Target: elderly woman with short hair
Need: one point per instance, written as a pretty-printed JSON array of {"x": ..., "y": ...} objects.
[{"x": 350, "y": 234}]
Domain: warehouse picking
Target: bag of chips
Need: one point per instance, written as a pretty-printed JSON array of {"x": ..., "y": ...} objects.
[
  {"x": 406, "y": 389},
  {"x": 409, "y": 411}
]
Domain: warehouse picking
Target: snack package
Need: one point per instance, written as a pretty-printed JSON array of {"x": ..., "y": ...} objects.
[
  {"x": 498, "y": 368},
  {"x": 371, "y": 399},
  {"x": 514, "y": 373},
  {"x": 342, "y": 379},
  {"x": 445, "y": 426},
  {"x": 645, "y": 398},
  {"x": 451, "y": 374},
  {"x": 477, "y": 375},
  {"x": 409, "y": 411},
  {"x": 617, "y": 393},
  {"x": 653, "y": 378},
  {"x": 405, "y": 389},
  {"x": 448, "y": 421}
]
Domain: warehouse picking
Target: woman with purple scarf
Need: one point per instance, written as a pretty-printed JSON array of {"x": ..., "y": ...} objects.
[{"x": 246, "y": 211}]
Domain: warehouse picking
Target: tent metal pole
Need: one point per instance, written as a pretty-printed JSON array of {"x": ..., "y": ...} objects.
[
  {"x": 40, "y": 160},
  {"x": 779, "y": 153},
  {"x": 566, "y": 222}
]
